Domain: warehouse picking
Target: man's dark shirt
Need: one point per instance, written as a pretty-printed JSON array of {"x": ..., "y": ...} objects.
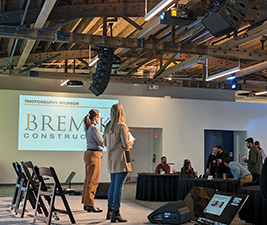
[
  {"x": 221, "y": 168},
  {"x": 211, "y": 163}
]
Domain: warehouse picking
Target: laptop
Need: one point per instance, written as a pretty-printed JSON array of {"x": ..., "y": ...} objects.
[{"x": 220, "y": 209}]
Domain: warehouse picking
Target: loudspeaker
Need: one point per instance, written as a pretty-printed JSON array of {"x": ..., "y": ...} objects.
[
  {"x": 102, "y": 190},
  {"x": 171, "y": 213},
  {"x": 228, "y": 18},
  {"x": 103, "y": 70}
]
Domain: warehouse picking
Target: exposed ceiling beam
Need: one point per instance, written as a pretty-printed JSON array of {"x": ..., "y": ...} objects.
[
  {"x": 116, "y": 42},
  {"x": 137, "y": 26},
  {"x": 129, "y": 9},
  {"x": 229, "y": 43},
  {"x": 183, "y": 65},
  {"x": 45, "y": 11},
  {"x": 157, "y": 74},
  {"x": 84, "y": 53}
]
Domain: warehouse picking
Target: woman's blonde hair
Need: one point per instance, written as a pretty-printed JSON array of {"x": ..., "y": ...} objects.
[
  {"x": 87, "y": 121},
  {"x": 116, "y": 116}
]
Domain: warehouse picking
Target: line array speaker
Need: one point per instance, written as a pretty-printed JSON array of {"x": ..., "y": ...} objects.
[
  {"x": 103, "y": 71},
  {"x": 228, "y": 18}
]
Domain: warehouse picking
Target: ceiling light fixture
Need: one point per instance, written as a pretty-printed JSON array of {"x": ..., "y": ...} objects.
[
  {"x": 223, "y": 74},
  {"x": 93, "y": 61},
  {"x": 158, "y": 8},
  {"x": 64, "y": 83},
  {"x": 261, "y": 93}
]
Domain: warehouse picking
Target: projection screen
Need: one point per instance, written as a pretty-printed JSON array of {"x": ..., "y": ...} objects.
[{"x": 49, "y": 123}]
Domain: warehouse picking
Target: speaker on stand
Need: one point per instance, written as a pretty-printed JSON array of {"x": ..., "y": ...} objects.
[{"x": 103, "y": 71}]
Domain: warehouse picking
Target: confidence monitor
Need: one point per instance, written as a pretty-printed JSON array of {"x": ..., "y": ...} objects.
[
  {"x": 171, "y": 213},
  {"x": 222, "y": 208}
]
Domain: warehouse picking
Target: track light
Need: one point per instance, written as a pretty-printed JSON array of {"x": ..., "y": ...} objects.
[
  {"x": 261, "y": 93},
  {"x": 158, "y": 8},
  {"x": 223, "y": 74}
]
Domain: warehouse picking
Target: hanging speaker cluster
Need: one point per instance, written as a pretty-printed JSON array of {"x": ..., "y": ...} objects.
[
  {"x": 228, "y": 18},
  {"x": 103, "y": 71}
]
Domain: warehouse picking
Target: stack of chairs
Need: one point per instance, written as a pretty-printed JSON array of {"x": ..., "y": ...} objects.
[
  {"x": 31, "y": 186},
  {"x": 25, "y": 190}
]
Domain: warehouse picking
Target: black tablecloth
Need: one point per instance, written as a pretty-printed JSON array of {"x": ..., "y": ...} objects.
[
  {"x": 185, "y": 185},
  {"x": 255, "y": 209},
  {"x": 156, "y": 187},
  {"x": 168, "y": 187}
]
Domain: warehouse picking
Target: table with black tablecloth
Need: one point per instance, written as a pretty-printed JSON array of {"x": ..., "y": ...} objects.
[
  {"x": 185, "y": 185},
  {"x": 255, "y": 209},
  {"x": 157, "y": 187}
]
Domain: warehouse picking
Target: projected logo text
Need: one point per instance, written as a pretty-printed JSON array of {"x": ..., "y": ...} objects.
[{"x": 41, "y": 126}]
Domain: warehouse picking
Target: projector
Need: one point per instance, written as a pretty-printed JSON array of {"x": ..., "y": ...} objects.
[
  {"x": 178, "y": 16},
  {"x": 74, "y": 83}
]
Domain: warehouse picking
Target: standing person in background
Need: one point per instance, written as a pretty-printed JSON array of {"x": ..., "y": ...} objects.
[
  {"x": 212, "y": 162},
  {"x": 163, "y": 166},
  {"x": 263, "y": 155},
  {"x": 239, "y": 172},
  {"x": 116, "y": 138},
  {"x": 254, "y": 160},
  {"x": 221, "y": 168},
  {"x": 92, "y": 160}
]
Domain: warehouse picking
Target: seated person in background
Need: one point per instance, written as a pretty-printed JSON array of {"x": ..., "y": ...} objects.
[
  {"x": 239, "y": 172},
  {"x": 187, "y": 171},
  {"x": 163, "y": 166}
]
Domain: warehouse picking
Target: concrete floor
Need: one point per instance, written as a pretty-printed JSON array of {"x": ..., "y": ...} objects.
[{"x": 135, "y": 211}]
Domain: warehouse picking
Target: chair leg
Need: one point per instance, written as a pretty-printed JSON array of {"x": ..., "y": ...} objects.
[
  {"x": 36, "y": 205},
  {"x": 68, "y": 208},
  {"x": 15, "y": 193},
  {"x": 51, "y": 209},
  {"x": 19, "y": 196}
]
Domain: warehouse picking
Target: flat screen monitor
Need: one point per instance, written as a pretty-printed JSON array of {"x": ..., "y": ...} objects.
[{"x": 222, "y": 208}]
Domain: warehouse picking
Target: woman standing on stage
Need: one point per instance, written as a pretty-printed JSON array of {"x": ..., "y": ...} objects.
[
  {"x": 116, "y": 138},
  {"x": 92, "y": 160}
]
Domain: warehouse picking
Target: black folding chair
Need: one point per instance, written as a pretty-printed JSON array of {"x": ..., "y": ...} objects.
[
  {"x": 50, "y": 195},
  {"x": 34, "y": 186},
  {"x": 23, "y": 192},
  {"x": 17, "y": 187}
]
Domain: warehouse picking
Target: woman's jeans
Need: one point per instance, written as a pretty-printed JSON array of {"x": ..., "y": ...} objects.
[{"x": 115, "y": 190}]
